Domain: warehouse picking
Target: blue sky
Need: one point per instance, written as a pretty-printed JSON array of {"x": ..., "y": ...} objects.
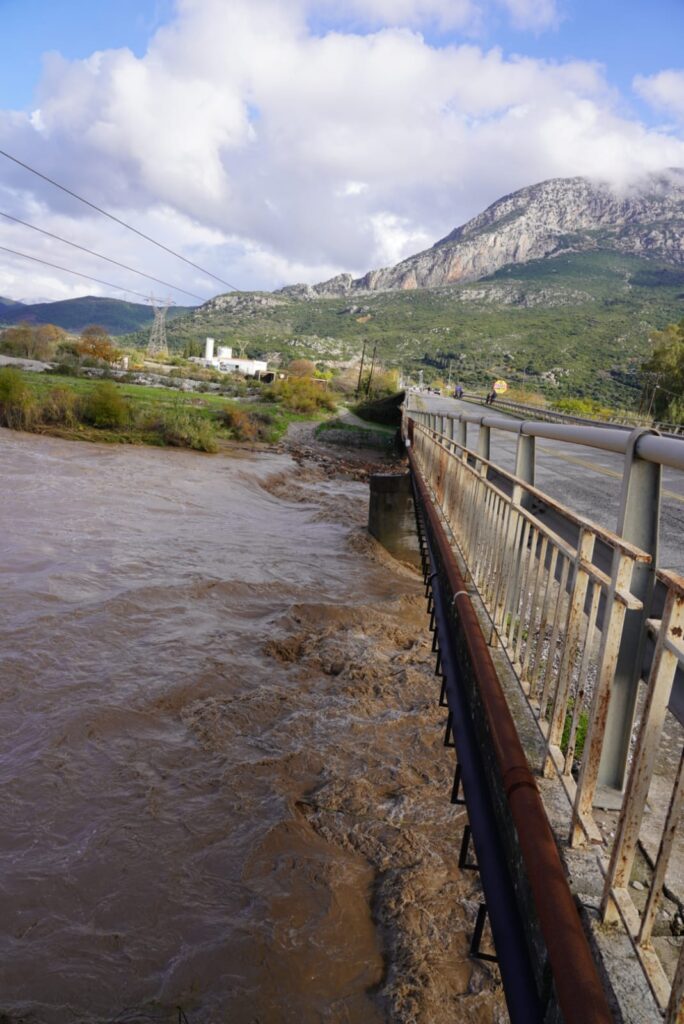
[
  {"x": 278, "y": 141},
  {"x": 75, "y": 28}
]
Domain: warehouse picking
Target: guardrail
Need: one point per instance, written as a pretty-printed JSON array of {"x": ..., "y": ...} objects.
[
  {"x": 547, "y": 968},
  {"x": 553, "y": 416},
  {"x": 574, "y": 627}
]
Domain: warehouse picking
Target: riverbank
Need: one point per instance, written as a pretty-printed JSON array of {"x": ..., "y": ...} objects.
[{"x": 112, "y": 411}]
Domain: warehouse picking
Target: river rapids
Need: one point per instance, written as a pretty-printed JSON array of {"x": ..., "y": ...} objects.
[{"x": 224, "y": 785}]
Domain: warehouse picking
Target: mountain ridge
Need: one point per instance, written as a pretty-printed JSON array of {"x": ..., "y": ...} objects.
[
  {"x": 552, "y": 217},
  {"x": 115, "y": 315}
]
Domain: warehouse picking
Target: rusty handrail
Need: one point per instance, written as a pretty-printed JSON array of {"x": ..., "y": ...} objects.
[{"x": 581, "y": 996}]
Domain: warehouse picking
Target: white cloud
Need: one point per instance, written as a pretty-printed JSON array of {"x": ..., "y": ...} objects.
[
  {"x": 446, "y": 14},
  {"x": 664, "y": 91},
  {"x": 268, "y": 153},
  {"x": 533, "y": 15}
]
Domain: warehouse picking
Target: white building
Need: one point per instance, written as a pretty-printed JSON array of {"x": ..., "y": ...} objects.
[{"x": 226, "y": 362}]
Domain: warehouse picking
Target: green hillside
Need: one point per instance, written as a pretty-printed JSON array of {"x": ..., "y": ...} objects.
[
  {"x": 576, "y": 324},
  {"x": 114, "y": 315}
]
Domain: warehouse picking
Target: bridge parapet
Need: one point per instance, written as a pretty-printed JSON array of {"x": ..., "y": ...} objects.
[{"x": 568, "y": 606}]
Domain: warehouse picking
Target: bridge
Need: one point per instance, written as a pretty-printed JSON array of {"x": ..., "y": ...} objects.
[{"x": 560, "y": 662}]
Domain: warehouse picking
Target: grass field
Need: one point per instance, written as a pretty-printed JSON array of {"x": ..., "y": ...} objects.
[{"x": 147, "y": 415}]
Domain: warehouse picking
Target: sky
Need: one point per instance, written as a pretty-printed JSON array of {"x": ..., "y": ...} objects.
[{"x": 272, "y": 142}]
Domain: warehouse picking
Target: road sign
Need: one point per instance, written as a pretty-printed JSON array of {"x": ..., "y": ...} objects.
[{"x": 500, "y": 386}]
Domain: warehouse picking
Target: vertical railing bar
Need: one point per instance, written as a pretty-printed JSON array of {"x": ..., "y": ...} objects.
[
  {"x": 535, "y": 608},
  {"x": 515, "y": 591},
  {"x": 544, "y": 621},
  {"x": 491, "y": 568},
  {"x": 525, "y": 594},
  {"x": 578, "y": 595},
  {"x": 584, "y": 665},
  {"x": 489, "y": 517},
  {"x": 557, "y": 615},
  {"x": 661, "y": 676},
  {"x": 509, "y": 539},
  {"x": 673, "y": 1014},
  {"x": 664, "y": 852},
  {"x": 500, "y": 561},
  {"x": 611, "y": 633}
]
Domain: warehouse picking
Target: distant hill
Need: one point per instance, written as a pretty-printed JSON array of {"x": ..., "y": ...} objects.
[{"x": 114, "y": 315}]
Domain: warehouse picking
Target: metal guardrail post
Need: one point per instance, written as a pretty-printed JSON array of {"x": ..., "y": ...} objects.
[
  {"x": 525, "y": 466},
  {"x": 525, "y": 458},
  {"x": 461, "y": 436},
  {"x": 638, "y": 523},
  {"x": 483, "y": 441}
]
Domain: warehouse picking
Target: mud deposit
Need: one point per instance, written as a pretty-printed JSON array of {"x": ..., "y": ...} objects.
[{"x": 224, "y": 785}]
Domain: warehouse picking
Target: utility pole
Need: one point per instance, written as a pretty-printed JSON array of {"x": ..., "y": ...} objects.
[
  {"x": 358, "y": 383},
  {"x": 157, "y": 346},
  {"x": 370, "y": 375}
]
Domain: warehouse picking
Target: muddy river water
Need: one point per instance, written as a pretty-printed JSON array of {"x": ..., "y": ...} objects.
[{"x": 223, "y": 785}]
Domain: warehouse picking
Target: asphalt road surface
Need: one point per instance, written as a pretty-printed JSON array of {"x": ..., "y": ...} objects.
[{"x": 586, "y": 480}]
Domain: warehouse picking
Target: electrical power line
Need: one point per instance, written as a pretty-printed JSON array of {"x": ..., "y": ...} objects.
[
  {"x": 116, "y": 219},
  {"x": 100, "y": 256},
  {"x": 77, "y": 273}
]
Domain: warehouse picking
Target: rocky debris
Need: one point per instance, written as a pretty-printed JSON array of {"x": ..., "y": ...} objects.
[{"x": 346, "y": 458}]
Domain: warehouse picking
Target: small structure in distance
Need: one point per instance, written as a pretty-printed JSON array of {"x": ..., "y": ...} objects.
[
  {"x": 157, "y": 346},
  {"x": 225, "y": 362}
]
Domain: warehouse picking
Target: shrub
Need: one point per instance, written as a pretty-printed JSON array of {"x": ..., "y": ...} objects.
[
  {"x": 65, "y": 370},
  {"x": 247, "y": 426},
  {"x": 60, "y": 406},
  {"x": 182, "y": 429},
  {"x": 17, "y": 404},
  {"x": 588, "y": 407},
  {"x": 524, "y": 396},
  {"x": 302, "y": 395},
  {"x": 105, "y": 406}
]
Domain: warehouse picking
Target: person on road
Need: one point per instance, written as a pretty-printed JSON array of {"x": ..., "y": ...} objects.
[{"x": 491, "y": 397}]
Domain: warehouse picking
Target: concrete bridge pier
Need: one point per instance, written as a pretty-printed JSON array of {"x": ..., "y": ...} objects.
[{"x": 392, "y": 517}]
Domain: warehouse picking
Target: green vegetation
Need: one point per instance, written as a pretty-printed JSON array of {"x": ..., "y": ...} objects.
[
  {"x": 664, "y": 375},
  {"x": 17, "y": 405},
  {"x": 103, "y": 410},
  {"x": 573, "y": 326},
  {"x": 302, "y": 395},
  {"x": 580, "y": 733}
]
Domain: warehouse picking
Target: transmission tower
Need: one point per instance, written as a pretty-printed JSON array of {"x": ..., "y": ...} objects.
[{"x": 157, "y": 346}]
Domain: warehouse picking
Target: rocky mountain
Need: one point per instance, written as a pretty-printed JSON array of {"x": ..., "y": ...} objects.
[{"x": 563, "y": 215}]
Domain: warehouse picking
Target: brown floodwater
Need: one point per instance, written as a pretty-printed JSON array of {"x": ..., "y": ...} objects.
[{"x": 222, "y": 781}]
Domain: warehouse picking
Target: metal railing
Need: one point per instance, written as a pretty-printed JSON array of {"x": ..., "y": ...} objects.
[
  {"x": 574, "y": 612},
  {"x": 554, "y": 416}
]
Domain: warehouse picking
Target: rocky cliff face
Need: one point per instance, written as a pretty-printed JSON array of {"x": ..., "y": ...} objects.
[{"x": 556, "y": 216}]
